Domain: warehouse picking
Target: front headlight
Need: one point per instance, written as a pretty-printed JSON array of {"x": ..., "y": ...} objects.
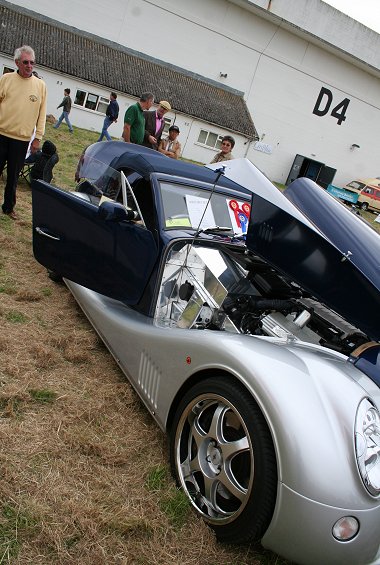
[{"x": 367, "y": 445}]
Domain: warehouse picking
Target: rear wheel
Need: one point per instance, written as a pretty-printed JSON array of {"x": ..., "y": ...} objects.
[
  {"x": 222, "y": 456},
  {"x": 364, "y": 206},
  {"x": 54, "y": 276}
]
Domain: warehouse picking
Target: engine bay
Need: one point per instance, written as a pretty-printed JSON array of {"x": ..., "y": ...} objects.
[{"x": 227, "y": 288}]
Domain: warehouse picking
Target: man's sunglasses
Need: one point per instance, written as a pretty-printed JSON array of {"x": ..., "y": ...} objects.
[{"x": 27, "y": 62}]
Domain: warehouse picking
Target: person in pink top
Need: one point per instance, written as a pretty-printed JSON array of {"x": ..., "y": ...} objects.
[{"x": 154, "y": 125}]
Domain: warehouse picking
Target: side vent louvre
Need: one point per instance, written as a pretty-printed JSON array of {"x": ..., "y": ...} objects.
[{"x": 149, "y": 379}]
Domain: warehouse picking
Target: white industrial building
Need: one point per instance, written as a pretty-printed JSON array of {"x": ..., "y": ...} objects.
[{"x": 308, "y": 75}]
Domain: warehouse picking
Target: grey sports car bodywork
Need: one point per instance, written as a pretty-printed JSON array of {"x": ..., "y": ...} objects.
[{"x": 229, "y": 306}]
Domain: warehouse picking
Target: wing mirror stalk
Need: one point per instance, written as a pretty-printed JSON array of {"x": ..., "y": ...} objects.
[{"x": 115, "y": 212}]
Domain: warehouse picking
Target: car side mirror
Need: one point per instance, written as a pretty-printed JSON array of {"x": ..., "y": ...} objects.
[{"x": 115, "y": 212}]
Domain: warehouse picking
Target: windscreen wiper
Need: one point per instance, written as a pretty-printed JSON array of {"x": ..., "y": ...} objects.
[{"x": 215, "y": 229}]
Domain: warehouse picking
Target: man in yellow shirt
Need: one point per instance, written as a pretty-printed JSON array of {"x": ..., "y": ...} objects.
[{"x": 22, "y": 108}]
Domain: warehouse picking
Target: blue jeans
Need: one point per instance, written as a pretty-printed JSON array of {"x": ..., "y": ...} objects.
[
  {"x": 104, "y": 133},
  {"x": 64, "y": 115}
]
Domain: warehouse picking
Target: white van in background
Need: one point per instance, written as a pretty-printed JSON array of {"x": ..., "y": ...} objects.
[{"x": 368, "y": 191}]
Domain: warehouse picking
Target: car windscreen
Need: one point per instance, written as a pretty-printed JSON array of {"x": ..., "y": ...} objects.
[
  {"x": 197, "y": 208},
  {"x": 355, "y": 185}
]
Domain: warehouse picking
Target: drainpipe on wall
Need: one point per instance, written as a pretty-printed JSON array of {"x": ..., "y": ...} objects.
[
  {"x": 187, "y": 137},
  {"x": 248, "y": 144}
]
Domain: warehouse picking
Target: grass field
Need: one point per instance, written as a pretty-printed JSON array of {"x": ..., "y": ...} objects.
[{"x": 84, "y": 474}]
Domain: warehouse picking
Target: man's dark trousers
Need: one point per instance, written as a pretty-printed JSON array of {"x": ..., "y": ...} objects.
[{"x": 12, "y": 152}]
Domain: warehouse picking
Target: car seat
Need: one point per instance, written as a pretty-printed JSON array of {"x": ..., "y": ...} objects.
[{"x": 44, "y": 162}]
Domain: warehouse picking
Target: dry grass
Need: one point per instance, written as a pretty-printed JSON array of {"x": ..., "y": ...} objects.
[{"x": 78, "y": 451}]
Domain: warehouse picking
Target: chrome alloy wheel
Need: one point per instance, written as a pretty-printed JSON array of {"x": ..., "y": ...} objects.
[
  {"x": 222, "y": 455},
  {"x": 214, "y": 457}
]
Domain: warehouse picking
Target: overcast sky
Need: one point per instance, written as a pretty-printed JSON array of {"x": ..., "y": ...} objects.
[{"x": 366, "y": 12}]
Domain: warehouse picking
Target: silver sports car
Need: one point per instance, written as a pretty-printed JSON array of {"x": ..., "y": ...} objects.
[{"x": 248, "y": 321}]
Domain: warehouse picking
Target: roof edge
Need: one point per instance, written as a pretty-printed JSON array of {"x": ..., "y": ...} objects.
[{"x": 119, "y": 47}]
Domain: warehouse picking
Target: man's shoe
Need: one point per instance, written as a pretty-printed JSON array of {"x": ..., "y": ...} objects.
[{"x": 12, "y": 215}]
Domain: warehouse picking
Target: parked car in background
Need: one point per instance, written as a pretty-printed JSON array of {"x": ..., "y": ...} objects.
[
  {"x": 229, "y": 307},
  {"x": 368, "y": 191}
]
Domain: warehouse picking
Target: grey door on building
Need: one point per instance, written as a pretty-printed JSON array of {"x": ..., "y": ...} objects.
[{"x": 311, "y": 169}]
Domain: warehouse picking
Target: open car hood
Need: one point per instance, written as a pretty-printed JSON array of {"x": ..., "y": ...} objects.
[{"x": 316, "y": 241}]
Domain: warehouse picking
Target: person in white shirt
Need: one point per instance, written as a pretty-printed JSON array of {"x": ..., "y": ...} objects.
[{"x": 170, "y": 146}]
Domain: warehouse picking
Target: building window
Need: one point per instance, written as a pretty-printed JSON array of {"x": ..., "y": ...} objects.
[
  {"x": 80, "y": 97},
  {"x": 91, "y": 101},
  {"x": 7, "y": 70},
  {"x": 102, "y": 104},
  {"x": 210, "y": 139}
]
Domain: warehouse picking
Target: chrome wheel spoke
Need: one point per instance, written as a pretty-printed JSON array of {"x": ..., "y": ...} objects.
[
  {"x": 228, "y": 480},
  {"x": 186, "y": 468},
  {"x": 194, "y": 463},
  {"x": 211, "y": 491},
  {"x": 232, "y": 448},
  {"x": 191, "y": 464},
  {"x": 198, "y": 433},
  {"x": 216, "y": 426}
]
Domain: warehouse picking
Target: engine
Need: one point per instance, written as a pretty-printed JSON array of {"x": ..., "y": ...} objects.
[{"x": 229, "y": 289}]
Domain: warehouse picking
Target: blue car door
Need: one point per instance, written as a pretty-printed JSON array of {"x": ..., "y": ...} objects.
[{"x": 101, "y": 251}]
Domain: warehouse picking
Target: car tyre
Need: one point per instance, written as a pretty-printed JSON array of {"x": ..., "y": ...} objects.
[
  {"x": 364, "y": 206},
  {"x": 222, "y": 456},
  {"x": 54, "y": 276}
]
